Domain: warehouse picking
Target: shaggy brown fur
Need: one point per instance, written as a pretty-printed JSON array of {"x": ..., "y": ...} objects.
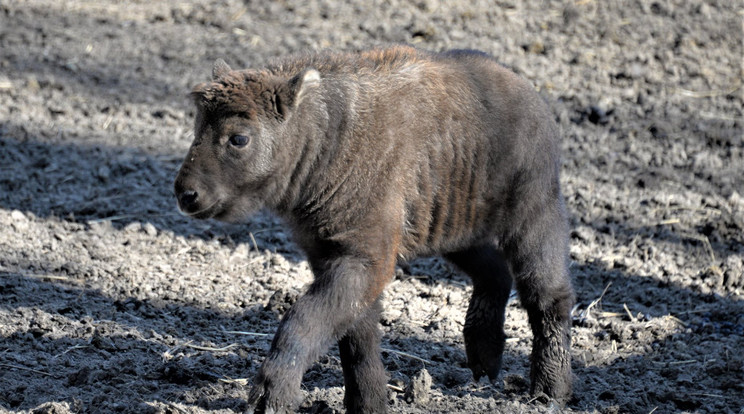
[{"x": 381, "y": 155}]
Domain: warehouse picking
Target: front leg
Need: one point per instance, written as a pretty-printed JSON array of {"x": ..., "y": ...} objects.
[
  {"x": 343, "y": 291},
  {"x": 364, "y": 374}
]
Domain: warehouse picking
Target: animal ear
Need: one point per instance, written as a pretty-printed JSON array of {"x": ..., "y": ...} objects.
[
  {"x": 219, "y": 69},
  {"x": 199, "y": 93},
  {"x": 304, "y": 82},
  {"x": 289, "y": 96}
]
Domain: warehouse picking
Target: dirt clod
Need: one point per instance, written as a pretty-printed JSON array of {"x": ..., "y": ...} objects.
[{"x": 418, "y": 390}]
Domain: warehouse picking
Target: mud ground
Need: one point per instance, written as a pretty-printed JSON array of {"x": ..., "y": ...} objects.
[{"x": 110, "y": 301}]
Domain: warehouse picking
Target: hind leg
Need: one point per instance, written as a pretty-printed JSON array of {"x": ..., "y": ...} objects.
[
  {"x": 484, "y": 323},
  {"x": 538, "y": 254}
]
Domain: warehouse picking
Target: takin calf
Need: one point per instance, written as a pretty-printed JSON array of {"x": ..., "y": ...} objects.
[{"x": 382, "y": 155}]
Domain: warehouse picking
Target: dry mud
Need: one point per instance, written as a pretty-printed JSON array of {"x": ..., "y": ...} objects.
[{"x": 112, "y": 302}]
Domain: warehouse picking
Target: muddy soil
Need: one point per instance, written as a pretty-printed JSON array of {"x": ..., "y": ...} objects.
[{"x": 110, "y": 301}]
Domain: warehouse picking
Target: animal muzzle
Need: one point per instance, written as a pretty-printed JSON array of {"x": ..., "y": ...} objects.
[
  {"x": 187, "y": 201},
  {"x": 190, "y": 199}
]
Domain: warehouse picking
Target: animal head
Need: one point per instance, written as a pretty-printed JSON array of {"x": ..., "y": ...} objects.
[{"x": 240, "y": 140}]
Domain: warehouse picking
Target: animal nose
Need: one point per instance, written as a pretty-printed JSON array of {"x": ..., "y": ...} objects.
[{"x": 187, "y": 198}]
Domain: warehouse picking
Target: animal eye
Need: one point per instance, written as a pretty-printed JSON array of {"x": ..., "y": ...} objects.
[{"x": 239, "y": 141}]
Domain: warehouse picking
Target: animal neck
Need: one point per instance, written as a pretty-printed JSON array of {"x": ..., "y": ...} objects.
[{"x": 306, "y": 151}]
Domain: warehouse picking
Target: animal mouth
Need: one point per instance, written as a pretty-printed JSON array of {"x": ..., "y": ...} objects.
[{"x": 205, "y": 213}]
